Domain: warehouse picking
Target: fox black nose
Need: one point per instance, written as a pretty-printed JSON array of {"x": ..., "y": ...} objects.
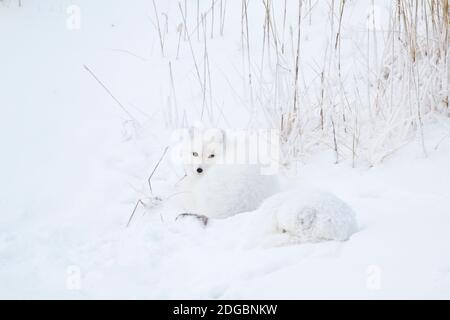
[{"x": 199, "y": 170}]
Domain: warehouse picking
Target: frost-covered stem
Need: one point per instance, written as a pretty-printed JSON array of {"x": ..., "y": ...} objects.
[
  {"x": 206, "y": 75},
  {"x": 284, "y": 27},
  {"x": 297, "y": 58},
  {"x": 338, "y": 35},
  {"x": 111, "y": 94},
  {"x": 186, "y": 19},
  {"x": 212, "y": 18},
  {"x": 335, "y": 141},
  {"x": 158, "y": 26},
  {"x": 149, "y": 180},
  {"x": 172, "y": 84},
  {"x": 204, "y": 67},
  {"x": 322, "y": 94},
  {"x": 139, "y": 202},
  {"x": 248, "y": 54},
  {"x": 198, "y": 20},
  {"x": 264, "y": 38},
  {"x": 223, "y": 8},
  {"x": 191, "y": 48},
  {"x": 224, "y": 15},
  {"x": 180, "y": 31}
]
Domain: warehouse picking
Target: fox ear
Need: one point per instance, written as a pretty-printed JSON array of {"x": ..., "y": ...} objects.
[
  {"x": 215, "y": 135},
  {"x": 190, "y": 131},
  {"x": 195, "y": 134}
]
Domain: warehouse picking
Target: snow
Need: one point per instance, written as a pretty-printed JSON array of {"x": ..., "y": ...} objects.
[{"x": 73, "y": 165}]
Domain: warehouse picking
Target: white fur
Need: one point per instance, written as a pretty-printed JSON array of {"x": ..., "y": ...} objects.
[
  {"x": 222, "y": 189},
  {"x": 226, "y": 190},
  {"x": 306, "y": 215}
]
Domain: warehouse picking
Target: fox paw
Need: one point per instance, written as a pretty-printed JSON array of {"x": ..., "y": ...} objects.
[{"x": 203, "y": 219}]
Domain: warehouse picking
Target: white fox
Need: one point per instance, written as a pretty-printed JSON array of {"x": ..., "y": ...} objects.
[{"x": 215, "y": 185}]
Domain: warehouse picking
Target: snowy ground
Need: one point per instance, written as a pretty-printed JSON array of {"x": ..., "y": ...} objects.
[{"x": 72, "y": 168}]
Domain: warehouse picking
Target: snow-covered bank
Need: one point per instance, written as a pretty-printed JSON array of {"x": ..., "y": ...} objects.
[{"x": 402, "y": 249}]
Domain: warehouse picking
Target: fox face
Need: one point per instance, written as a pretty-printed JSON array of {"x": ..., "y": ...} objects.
[{"x": 202, "y": 149}]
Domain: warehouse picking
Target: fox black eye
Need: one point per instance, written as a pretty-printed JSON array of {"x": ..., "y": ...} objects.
[
  {"x": 211, "y": 156},
  {"x": 195, "y": 154}
]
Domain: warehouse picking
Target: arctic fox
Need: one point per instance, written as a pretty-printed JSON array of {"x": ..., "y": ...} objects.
[
  {"x": 215, "y": 185},
  {"x": 307, "y": 215}
]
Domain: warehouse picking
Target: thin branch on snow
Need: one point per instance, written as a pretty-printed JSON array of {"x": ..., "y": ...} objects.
[
  {"x": 155, "y": 168},
  {"x": 110, "y": 94}
]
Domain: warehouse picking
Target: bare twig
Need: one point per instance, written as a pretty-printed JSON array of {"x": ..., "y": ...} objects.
[
  {"x": 139, "y": 202},
  {"x": 248, "y": 52},
  {"x": 110, "y": 93},
  {"x": 212, "y": 18},
  {"x": 335, "y": 141},
  {"x": 172, "y": 84},
  {"x": 297, "y": 57},
  {"x": 155, "y": 168},
  {"x": 190, "y": 46},
  {"x": 161, "y": 39}
]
